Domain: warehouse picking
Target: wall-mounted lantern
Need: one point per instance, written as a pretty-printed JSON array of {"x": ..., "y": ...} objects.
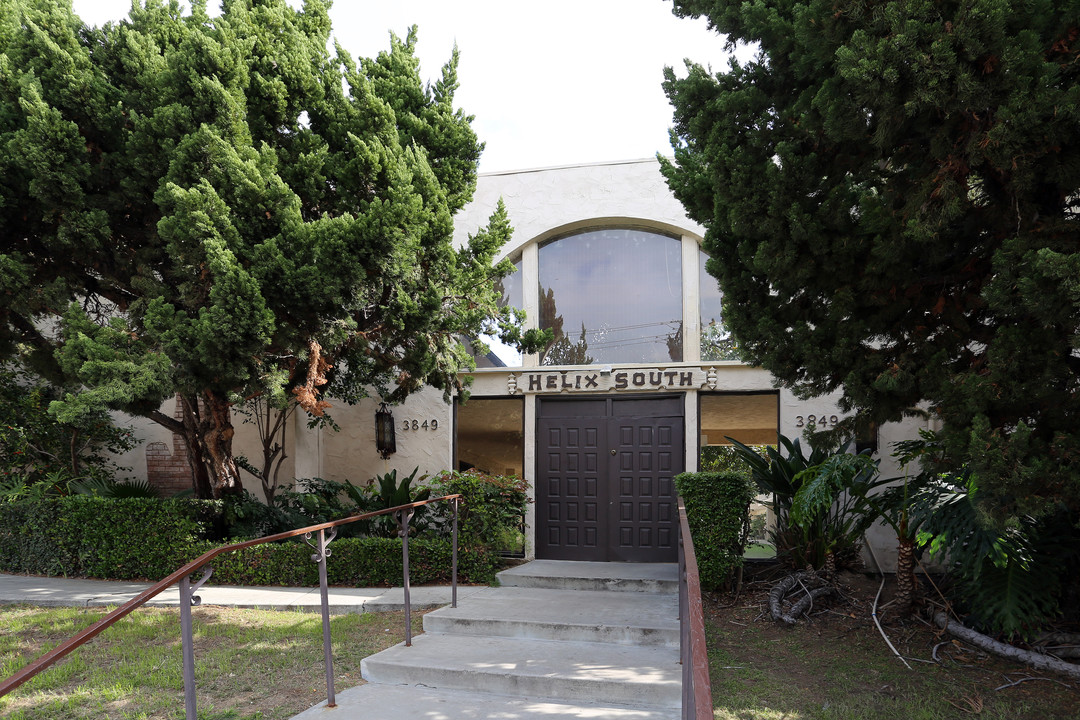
[{"x": 385, "y": 442}]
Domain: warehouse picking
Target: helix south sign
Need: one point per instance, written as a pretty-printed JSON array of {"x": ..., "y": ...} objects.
[{"x": 630, "y": 379}]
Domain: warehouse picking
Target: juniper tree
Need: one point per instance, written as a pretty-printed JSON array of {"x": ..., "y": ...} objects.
[
  {"x": 221, "y": 208},
  {"x": 890, "y": 192}
]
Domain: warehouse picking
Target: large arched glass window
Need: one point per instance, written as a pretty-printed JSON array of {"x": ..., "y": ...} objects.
[
  {"x": 717, "y": 342},
  {"x": 612, "y": 295}
]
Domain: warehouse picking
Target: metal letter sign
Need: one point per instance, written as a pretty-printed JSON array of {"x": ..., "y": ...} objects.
[{"x": 631, "y": 380}]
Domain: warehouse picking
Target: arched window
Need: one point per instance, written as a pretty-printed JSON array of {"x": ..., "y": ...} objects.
[
  {"x": 611, "y": 295},
  {"x": 717, "y": 342}
]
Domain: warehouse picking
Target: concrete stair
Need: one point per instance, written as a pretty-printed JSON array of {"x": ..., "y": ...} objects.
[{"x": 557, "y": 640}]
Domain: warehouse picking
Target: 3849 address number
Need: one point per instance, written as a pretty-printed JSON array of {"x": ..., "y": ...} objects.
[
  {"x": 818, "y": 421},
  {"x": 431, "y": 424}
]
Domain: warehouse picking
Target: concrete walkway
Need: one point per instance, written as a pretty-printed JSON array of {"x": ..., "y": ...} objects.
[
  {"x": 68, "y": 592},
  {"x": 557, "y": 641}
]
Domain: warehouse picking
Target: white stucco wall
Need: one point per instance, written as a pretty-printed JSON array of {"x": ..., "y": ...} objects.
[
  {"x": 550, "y": 201},
  {"x": 350, "y": 453}
]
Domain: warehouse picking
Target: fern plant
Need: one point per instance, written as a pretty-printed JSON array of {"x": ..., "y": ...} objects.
[
  {"x": 820, "y": 534},
  {"x": 1008, "y": 578}
]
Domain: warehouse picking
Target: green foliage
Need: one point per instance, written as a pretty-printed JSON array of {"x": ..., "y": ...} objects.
[
  {"x": 35, "y": 446},
  {"x": 224, "y": 208},
  {"x": 113, "y": 489},
  {"x": 145, "y": 539},
  {"x": 718, "y": 512},
  {"x": 725, "y": 458},
  {"x": 718, "y": 343},
  {"x": 122, "y": 539},
  {"x": 353, "y": 562},
  {"x": 392, "y": 493},
  {"x": 1009, "y": 578},
  {"x": 890, "y": 193},
  {"x": 491, "y": 508},
  {"x": 819, "y": 501},
  {"x": 312, "y": 501}
]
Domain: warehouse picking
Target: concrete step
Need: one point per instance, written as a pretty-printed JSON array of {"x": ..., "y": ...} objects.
[
  {"x": 603, "y": 673},
  {"x": 573, "y": 575},
  {"x": 395, "y": 702},
  {"x": 643, "y": 619}
]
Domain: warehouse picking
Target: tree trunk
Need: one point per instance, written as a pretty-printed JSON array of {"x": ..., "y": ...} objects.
[
  {"x": 204, "y": 489},
  {"x": 906, "y": 585},
  {"x": 216, "y": 436}
]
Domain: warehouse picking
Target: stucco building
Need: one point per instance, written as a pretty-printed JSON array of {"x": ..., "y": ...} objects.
[{"x": 634, "y": 386}]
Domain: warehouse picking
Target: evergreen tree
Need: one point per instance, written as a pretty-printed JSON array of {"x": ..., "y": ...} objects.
[
  {"x": 220, "y": 208},
  {"x": 890, "y": 191}
]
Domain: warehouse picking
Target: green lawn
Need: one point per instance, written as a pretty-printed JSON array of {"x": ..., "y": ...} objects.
[{"x": 250, "y": 664}]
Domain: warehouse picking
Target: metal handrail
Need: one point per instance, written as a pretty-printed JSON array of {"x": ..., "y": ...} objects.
[
  {"x": 187, "y": 597},
  {"x": 697, "y": 691}
]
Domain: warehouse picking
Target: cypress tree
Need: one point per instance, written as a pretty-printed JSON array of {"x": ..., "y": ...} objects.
[
  {"x": 890, "y": 191},
  {"x": 221, "y": 208}
]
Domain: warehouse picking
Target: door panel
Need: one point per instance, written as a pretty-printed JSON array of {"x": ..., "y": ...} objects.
[
  {"x": 569, "y": 491},
  {"x": 649, "y": 452},
  {"x": 605, "y": 488}
]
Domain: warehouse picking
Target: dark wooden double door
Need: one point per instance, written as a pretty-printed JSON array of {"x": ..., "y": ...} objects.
[{"x": 605, "y": 469}]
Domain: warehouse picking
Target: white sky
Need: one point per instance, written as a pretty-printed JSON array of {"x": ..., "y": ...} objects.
[{"x": 550, "y": 83}]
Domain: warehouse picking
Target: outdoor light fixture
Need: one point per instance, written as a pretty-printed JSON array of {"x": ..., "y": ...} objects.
[{"x": 384, "y": 431}]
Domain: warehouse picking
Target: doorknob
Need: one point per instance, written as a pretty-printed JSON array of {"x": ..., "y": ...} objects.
[{"x": 612, "y": 451}]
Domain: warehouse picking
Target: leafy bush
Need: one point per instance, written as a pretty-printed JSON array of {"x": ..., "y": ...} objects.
[
  {"x": 491, "y": 508},
  {"x": 356, "y": 562},
  {"x": 145, "y": 539},
  {"x": 717, "y": 510},
  {"x": 34, "y": 444},
  {"x": 726, "y": 458},
  {"x": 121, "y": 539},
  {"x": 1010, "y": 579},
  {"x": 317, "y": 500},
  {"x": 831, "y": 533},
  {"x": 386, "y": 492}
]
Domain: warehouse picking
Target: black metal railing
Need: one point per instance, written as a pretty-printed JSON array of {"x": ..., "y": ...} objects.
[
  {"x": 696, "y": 689},
  {"x": 188, "y": 598}
]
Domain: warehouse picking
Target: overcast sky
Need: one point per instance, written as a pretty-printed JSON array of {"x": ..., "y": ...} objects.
[{"x": 550, "y": 83}]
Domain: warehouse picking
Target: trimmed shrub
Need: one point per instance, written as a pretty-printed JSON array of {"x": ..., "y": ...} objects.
[
  {"x": 717, "y": 510},
  {"x": 115, "y": 539},
  {"x": 145, "y": 539},
  {"x": 353, "y": 562}
]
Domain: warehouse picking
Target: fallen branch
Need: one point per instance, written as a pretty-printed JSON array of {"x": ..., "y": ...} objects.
[{"x": 1034, "y": 659}]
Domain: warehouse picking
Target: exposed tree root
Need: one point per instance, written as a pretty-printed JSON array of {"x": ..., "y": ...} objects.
[
  {"x": 805, "y": 601},
  {"x": 1034, "y": 659}
]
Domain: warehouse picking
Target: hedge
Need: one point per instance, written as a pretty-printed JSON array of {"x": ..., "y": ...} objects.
[
  {"x": 717, "y": 510},
  {"x": 146, "y": 539}
]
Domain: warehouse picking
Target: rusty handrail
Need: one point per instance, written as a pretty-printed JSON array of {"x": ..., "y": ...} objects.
[
  {"x": 89, "y": 633},
  {"x": 697, "y": 691}
]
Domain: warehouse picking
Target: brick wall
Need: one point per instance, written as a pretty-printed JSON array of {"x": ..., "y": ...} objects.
[{"x": 168, "y": 471}]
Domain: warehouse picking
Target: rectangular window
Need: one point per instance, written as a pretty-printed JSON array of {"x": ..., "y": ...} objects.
[{"x": 491, "y": 435}]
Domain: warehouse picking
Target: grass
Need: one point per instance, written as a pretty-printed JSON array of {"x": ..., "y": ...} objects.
[
  {"x": 250, "y": 664},
  {"x": 837, "y": 667},
  {"x": 266, "y": 665}
]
